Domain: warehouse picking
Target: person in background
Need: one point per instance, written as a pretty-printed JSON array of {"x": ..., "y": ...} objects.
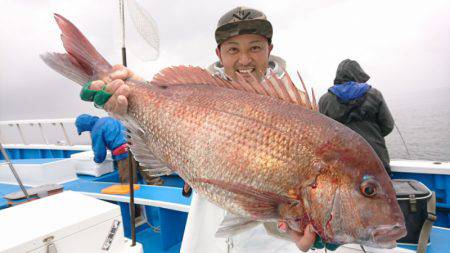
[
  {"x": 109, "y": 134},
  {"x": 356, "y": 104},
  {"x": 106, "y": 134}
]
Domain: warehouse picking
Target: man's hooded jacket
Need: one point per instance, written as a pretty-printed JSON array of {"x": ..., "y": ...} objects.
[
  {"x": 106, "y": 133},
  {"x": 359, "y": 106}
]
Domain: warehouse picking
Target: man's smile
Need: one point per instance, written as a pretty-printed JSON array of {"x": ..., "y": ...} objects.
[{"x": 246, "y": 70}]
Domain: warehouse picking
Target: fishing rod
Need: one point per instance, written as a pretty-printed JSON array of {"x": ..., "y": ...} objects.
[
  {"x": 363, "y": 249},
  {"x": 130, "y": 157},
  {"x": 403, "y": 140},
  {"x": 149, "y": 50}
]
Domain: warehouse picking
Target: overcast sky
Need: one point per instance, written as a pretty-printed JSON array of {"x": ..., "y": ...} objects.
[{"x": 400, "y": 44}]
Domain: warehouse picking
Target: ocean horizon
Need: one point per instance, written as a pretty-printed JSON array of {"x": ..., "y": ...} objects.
[{"x": 423, "y": 118}]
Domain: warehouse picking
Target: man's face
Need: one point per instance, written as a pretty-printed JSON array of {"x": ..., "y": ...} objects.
[{"x": 247, "y": 54}]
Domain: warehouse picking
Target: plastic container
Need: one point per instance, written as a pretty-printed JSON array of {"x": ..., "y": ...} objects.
[
  {"x": 84, "y": 164},
  {"x": 36, "y": 172},
  {"x": 67, "y": 222},
  {"x": 412, "y": 196}
]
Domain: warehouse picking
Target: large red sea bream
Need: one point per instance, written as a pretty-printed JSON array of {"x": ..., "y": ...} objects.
[{"x": 254, "y": 149}]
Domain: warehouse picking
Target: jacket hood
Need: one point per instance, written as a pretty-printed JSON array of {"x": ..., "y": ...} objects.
[
  {"x": 350, "y": 90},
  {"x": 350, "y": 71},
  {"x": 85, "y": 122}
]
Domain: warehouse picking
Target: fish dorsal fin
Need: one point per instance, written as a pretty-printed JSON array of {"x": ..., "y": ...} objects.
[
  {"x": 179, "y": 75},
  {"x": 279, "y": 87}
]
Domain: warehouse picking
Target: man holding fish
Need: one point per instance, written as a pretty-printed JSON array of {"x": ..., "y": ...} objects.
[
  {"x": 248, "y": 142},
  {"x": 244, "y": 39}
]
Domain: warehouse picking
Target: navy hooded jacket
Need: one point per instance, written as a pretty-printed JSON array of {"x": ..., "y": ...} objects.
[
  {"x": 354, "y": 103},
  {"x": 106, "y": 133}
]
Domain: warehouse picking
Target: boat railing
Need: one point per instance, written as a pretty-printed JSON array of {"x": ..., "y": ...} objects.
[{"x": 42, "y": 134}]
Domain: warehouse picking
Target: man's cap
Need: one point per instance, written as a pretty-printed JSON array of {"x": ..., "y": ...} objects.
[{"x": 243, "y": 20}]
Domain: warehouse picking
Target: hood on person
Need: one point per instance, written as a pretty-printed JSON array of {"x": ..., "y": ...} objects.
[
  {"x": 350, "y": 82},
  {"x": 85, "y": 122}
]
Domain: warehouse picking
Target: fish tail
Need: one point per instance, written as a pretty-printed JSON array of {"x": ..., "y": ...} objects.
[{"x": 82, "y": 62}]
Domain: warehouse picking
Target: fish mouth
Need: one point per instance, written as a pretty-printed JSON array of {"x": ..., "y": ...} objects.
[{"x": 385, "y": 236}]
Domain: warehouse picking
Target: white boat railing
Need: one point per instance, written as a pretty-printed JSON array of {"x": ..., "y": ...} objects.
[
  {"x": 43, "y": 134},
  {"x": 420, "y": 166}
]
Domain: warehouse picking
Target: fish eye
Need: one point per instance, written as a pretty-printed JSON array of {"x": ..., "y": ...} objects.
[
  {"x": 369, "y": 187},
  {"x": 368, "y": 191}
]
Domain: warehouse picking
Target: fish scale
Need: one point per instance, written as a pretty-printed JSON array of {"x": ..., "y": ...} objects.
[{"x": 244, "y": 135}]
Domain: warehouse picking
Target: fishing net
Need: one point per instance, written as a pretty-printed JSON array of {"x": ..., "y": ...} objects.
[{"x": 142, "y": 37}]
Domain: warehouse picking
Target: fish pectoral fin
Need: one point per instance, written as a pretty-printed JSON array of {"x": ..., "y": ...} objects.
[
  {"x": 141, "y": 152},
  {"x": 232, "y": 225},
  {"x": 248, "y": 191},
  {"x": 260, "y": 204}
]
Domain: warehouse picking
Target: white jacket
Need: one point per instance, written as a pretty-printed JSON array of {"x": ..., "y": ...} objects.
[
  {"x": 203, "y": 220},
  {"x": 204, "y": 217}
]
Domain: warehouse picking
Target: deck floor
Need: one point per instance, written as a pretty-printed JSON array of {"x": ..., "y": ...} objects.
[{"x": 151, "y": 242}]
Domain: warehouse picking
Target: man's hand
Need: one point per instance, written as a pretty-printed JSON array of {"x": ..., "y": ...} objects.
[
  {"x": 115, "y": 85},
  {"x": 303, "y": 241}
]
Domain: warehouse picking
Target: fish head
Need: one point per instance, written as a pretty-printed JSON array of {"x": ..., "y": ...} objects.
[{"x": 352, "y": 199}]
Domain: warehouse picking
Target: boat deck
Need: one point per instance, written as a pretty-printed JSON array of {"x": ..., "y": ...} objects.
[
  {"x": 164, "y": 206},
  {"x": 167, "y": 208},
  {"x": 170, "y": 198},
  {"x": 439, "y": 241}
]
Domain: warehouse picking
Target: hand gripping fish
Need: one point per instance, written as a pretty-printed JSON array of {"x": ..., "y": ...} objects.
[{"x": 253, "y": 148}]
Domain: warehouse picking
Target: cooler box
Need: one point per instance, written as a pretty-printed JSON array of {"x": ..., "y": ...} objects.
[
  {"x": 36, "y": 172},
  {"x": 67, "y": 222},
  {"x": 412, "y": 196},
  {"x": 84, "y": 164}
]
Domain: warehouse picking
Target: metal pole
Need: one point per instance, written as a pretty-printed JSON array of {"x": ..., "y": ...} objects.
[
  {"x": 42, "y": 133},
  {"x": 21, "y": 134},
  {"x": 130, "y": 157},
  {"x": 132, "y": 210},
  {"x": 13, "y": 171},
  {"x": 65, "y": 134}
]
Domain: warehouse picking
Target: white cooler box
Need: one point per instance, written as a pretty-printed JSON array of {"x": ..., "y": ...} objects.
[
  {"x": 84, "y": 164},
  {"x": 36, "y": 172},
  {"x": 68, "y": 222}
]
